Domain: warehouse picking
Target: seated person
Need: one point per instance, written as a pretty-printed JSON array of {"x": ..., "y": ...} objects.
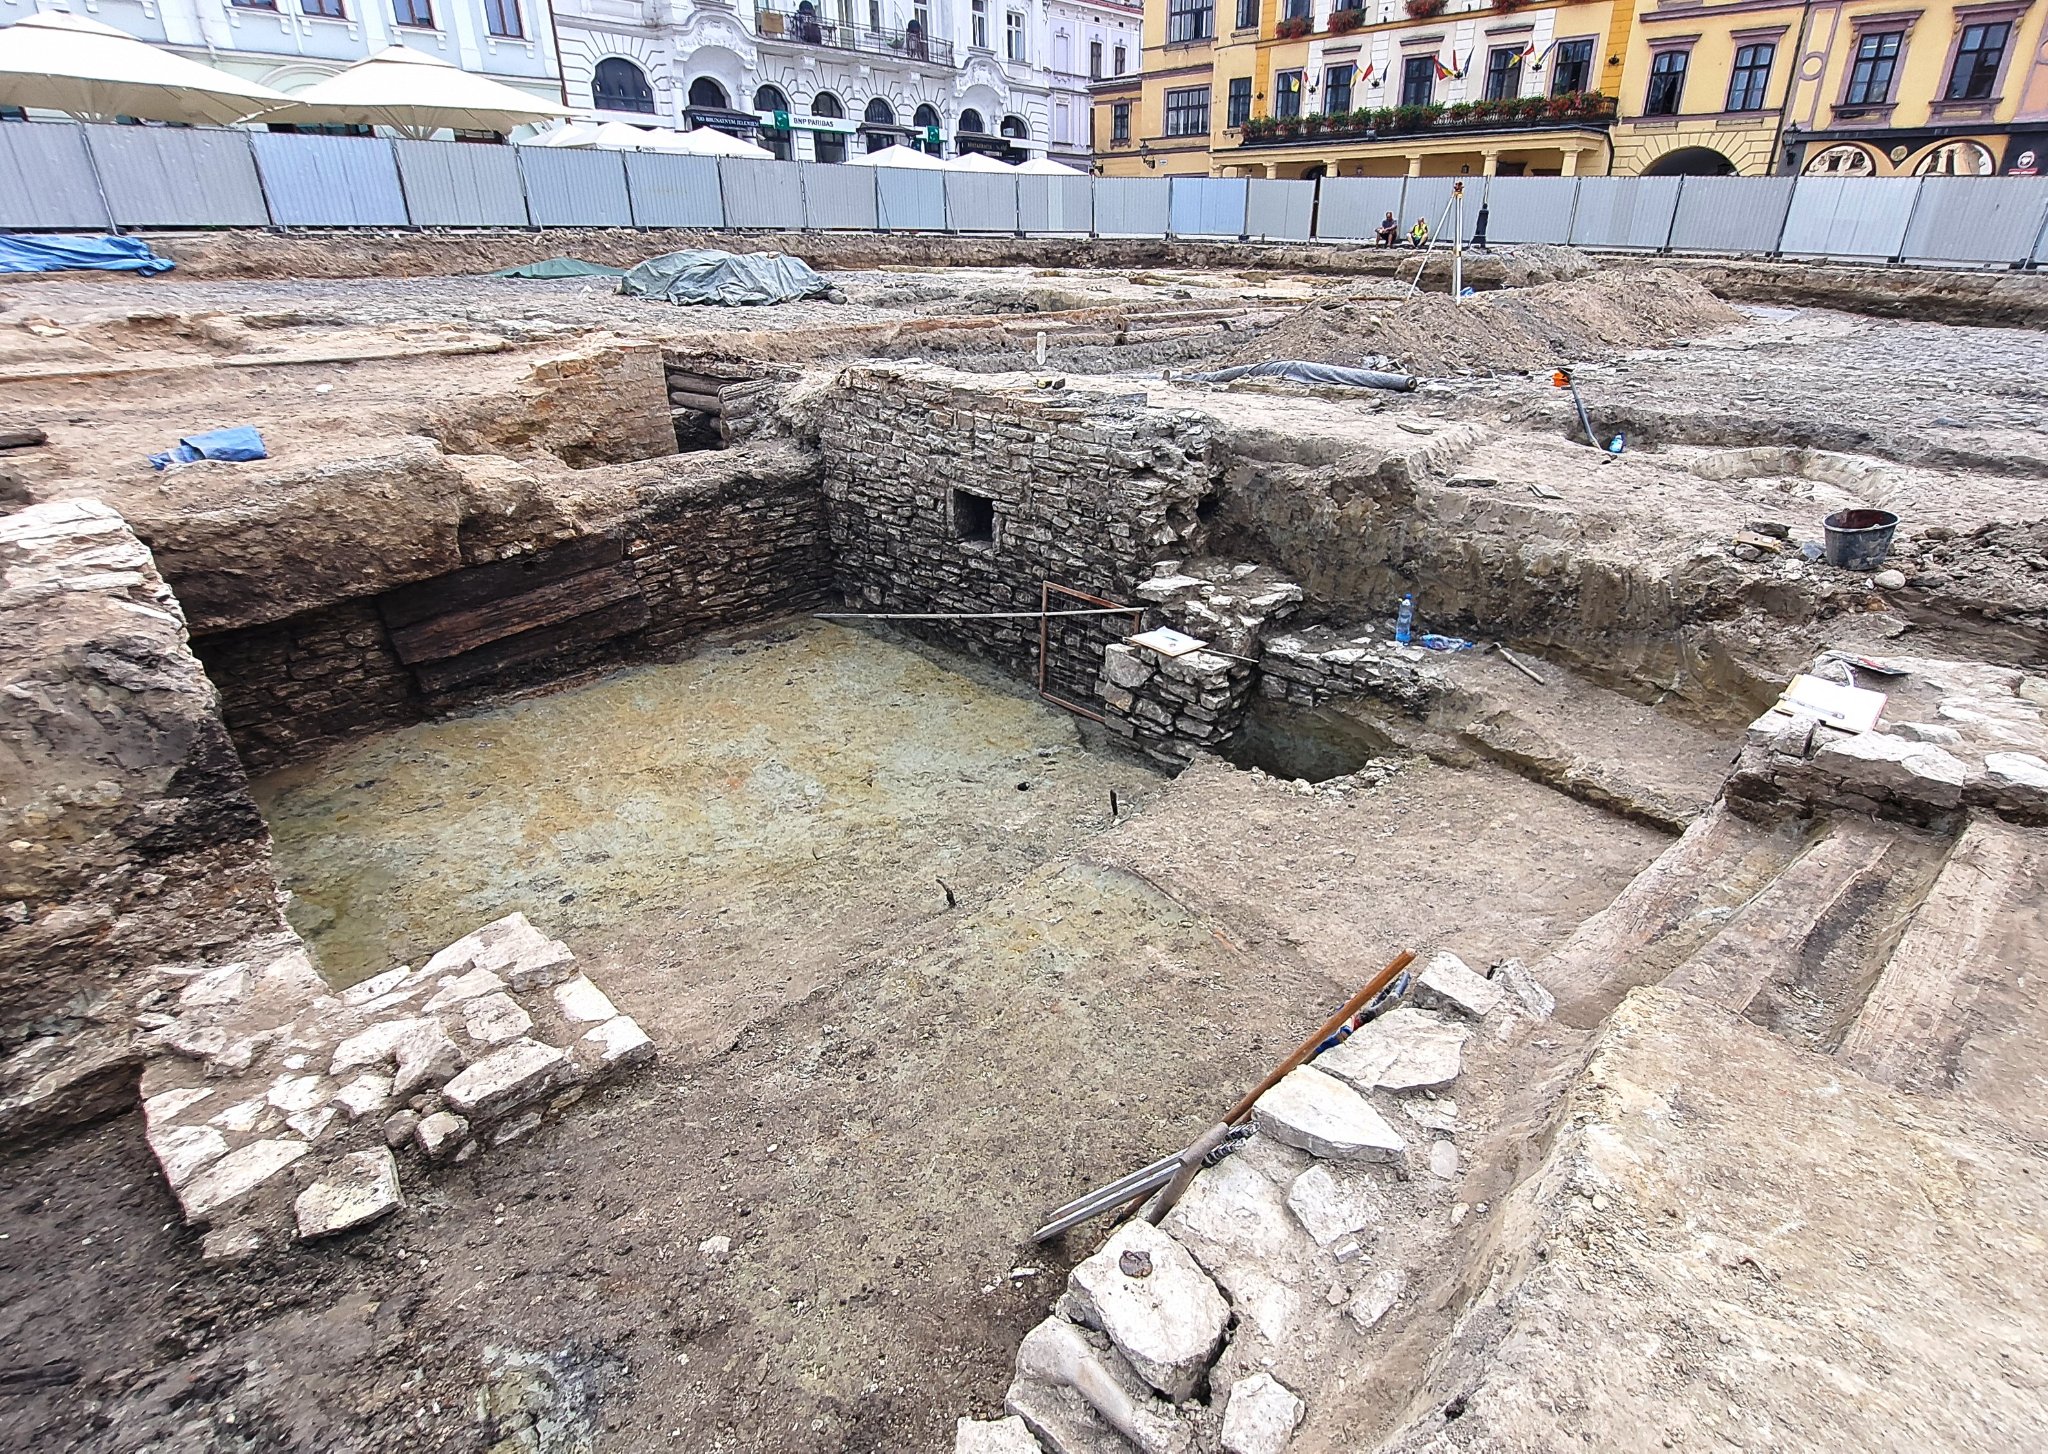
[
  {"x": 1418, "y": 235},
  {"x": 1388, "y": 231}
]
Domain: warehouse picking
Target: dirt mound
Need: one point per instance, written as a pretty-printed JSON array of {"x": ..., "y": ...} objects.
[{"x": 1509, "y": 331}]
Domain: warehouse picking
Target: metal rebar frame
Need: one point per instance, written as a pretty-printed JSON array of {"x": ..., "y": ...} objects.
[{"x": 1047, "y": 590}]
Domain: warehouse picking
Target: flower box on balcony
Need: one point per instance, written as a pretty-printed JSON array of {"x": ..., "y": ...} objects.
[
  {"x": 1293, "y": 28},
  {"x": 1424, "y": 9},
  {"x": 1343, "y": 22}
]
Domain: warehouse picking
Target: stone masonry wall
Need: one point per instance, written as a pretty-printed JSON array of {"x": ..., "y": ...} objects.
[
  {"x": 1086, "y": 488},
  {"x": 129, "y": 833}
]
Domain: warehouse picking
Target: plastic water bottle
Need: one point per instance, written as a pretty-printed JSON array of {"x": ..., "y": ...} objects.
[
  {"x": 1617, "y": 444},
  {"x": 1404, "y": 620}
]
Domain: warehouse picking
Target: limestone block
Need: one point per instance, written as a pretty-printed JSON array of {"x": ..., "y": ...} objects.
[
  {"x": 1443, "y": 1161},
  {"x": 236, "y": 1175},
  {"x": 1889, "y": 764},
  {"x": 1402, "y": 1050},
  {"x": 2021, "y": 771},
  {"x": 217, "y": 988},
  {"x": 465, "y": 986},
  {"x": 511, "y": 948},
  {"x": 1927, "y": 732},
  {"x": 441, "y": 1135},
  {"x": 1325, "y": 1117},
  {"x": 994, "y": 1436},
  {"x": 358, "y": 995},
  {"x": 1167, "y": 1320},
  {"x": 1377, "y": 1298},
  {"x": 183, "y": 1150},
  {"x": 1533, "y": 999},
  {"x": 246, "y": 1116},
  {"x": 169, "y": 1105},
  {"x": 1123, "y": 667},
  {"x": 1333, "y": 1202},
  {"x": 425, "y": 1056},
  {"x": 372, "y": 1047},
  {"x": 615, "y": 1045},
  {"x": 1261, "y": 1416},
  {"x": 494, "y": 1019},
  {"x": 297, "y": 1092},
  {"x": 581, "y": 1002},
  {"x": 1080, "y": 1396},
  {"x": 359, "y": 1189},
  {"x": 364, "y": 1096},
  {"x": 1448, "y": 983},
  {"x": 508, "y": 1078},
  {"x": 311, "y": 1123}
]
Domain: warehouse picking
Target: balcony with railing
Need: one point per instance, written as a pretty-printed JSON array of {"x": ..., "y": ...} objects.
[
  {"x": 1576, "y": 109},
  {"x": 794, "y": 24}
]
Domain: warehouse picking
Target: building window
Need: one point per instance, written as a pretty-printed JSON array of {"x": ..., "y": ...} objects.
[
  {"x": 1978, "y": 59},
  {"x": 707, "y": 95},
  {"x": 828, "y": 146},
  {"x": 1187, "y": 112},
  {"x": 619, "y": 85},
  {"x": 1418, "y": 80},
  {"x": 974, "y": 517},
  {"x": 416, "y": 13},
  {"x": 1237, "y": 108},
  {"x": 1190, "y": 20},
  {"x": 1337, "y": 88},
  {"x": 1094, "y": 60},
  {"x": 971, "y": 122},
  {"x": 1751, "y": 77},
  {"x": 1013, "y": 34},
  {"x": 1571, "y": 67},
  {"x": 1667, "y": 83},
  {"x": 253, "y": 4},
  {"x": 325, "y": 9},
  {"x": 501, "y": 18},
  {"x": 978, "y": 25},
  {"x": 1120, "y": 60},
  {"x": 1247, "y": 14},
  {"x": 1287, "y": 94},
  {"x": 1876, "y": 63},
  {"x": 1120, "y": 121},
  {"x": 1502, "y": 72}
]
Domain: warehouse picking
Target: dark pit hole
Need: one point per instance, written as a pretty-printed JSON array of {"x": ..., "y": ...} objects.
[
  {"x": 1313, "y": 744},
  {"x": 974, "y": 517}
]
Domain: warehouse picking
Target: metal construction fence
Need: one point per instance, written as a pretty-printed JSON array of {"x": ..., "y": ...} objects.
[{"x": 59, "y": 176}]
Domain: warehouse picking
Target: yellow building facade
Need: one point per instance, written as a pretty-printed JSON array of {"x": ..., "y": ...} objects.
[
  {"x": 1303, "y": 88},
  {"x": 1862, "y": 88}
]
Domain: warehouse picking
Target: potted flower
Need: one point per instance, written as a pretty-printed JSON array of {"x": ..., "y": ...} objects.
[
  {"x": 1258, "y": 128},
  {"x": 1350, "y": 18},
  {"x": 1287, "y": 128},
  {"x": 1293, "y": 28},
  {"x": 1424, "y": 9},
  {"x": 1508, "y": 7}
]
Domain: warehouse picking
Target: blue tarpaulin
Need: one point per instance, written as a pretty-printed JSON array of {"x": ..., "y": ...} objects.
[
  {"x": 241, "y": 442},
  {"x": 19, "y": 254}
]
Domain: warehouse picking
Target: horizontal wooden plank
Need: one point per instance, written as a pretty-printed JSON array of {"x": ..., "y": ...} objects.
[
  {"x": 503, "y": 657},
  {"x": 474, "y": 585},
  {"x": 463, "y": 631}
]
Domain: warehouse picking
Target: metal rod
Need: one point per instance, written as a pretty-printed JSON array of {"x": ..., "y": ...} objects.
[
  {"x": 1521, "y": 666},
  {"x": 1098, "y": 1202},
  {"x": 1190, "y": 1162},
  {"x": 1163, "y": 1163},
  {"x": 1457, "y": 240},
  {"x": 1330, "y": 1027}
]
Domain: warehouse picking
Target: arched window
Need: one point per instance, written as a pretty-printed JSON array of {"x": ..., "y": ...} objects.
[
  {"x": 619, "y": 85},
  {"x": 971, "y": 122},
  {"x": 828, "y": 146},
  {"x": 708, "y": 93},
  {"x": 1015, "y": 126},
  {"x": 926, "y": 115},
  {"x": 769, "y": 99},
  {"x": 881, "y": 113}
]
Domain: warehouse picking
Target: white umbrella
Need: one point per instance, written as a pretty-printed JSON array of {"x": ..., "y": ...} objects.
[
  {"x": 418, "y": 95},
  {"x": 709, "y": 141},
  {"x": 570, "y": 133},
  {"x": 66, "y": 63},
  {"x": 895, "y": 155},
  {"x": 976, "y": 161},
  {"x": 1046, "y": 167}
]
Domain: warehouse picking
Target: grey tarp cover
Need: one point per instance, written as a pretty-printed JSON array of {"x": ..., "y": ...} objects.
[
  {"x": 1301, "y": 371},
  {"x": 561, "y": 267},
  {"x": 704, "y": 275}
]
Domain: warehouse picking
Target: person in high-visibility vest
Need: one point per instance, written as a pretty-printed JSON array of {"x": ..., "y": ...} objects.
[{"x": 1418, "y": 235}]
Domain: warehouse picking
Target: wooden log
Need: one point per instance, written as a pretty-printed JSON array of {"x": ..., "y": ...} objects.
[
  {"x": 497, "y": 658},
  {"x": 704, "y": 403},
  {"x": 464, "y": 631},
  {"x": 458, "y": 590}
]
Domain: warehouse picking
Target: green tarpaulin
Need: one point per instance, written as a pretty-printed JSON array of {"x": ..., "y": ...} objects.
[{"x": 560, "y": 267}]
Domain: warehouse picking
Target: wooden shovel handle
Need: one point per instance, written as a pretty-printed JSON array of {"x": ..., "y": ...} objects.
[{"x": 1330, "y": 1027}]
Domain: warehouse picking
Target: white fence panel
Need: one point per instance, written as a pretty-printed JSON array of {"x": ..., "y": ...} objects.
[
  {"x": 1849, "y": 217},
  {"x": 460, "y": 184},
  {"x": 910, "y": 201},
  {"x": 838, "y": 197},
  {"x": 1207, "y": 207},
  {"x": 1430, "y": 198},
  {"x": 1130, "y": 206},
  {"x": 1625, "y": 212},
  {"x": 1731, "y": 214},
  {"x": 981, "y": 202},
  {"x": 761, "y": 194},
  {"x": 1529, "y": 209},
  {"x": 1276, "y": 211},
  {"x": 329, "y": 181},
  {"x": 1055, "y": 204},
  {"x": 673, "y": 191},
  {"x": 575, "y": 188},
  {"x": 1976, "y": 219},
  {"x": 160, "y": 176},
  {"x": 1351, "y": 207}
]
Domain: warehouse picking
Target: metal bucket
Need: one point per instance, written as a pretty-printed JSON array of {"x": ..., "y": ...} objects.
[{"x": 1859, "y": 539}]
